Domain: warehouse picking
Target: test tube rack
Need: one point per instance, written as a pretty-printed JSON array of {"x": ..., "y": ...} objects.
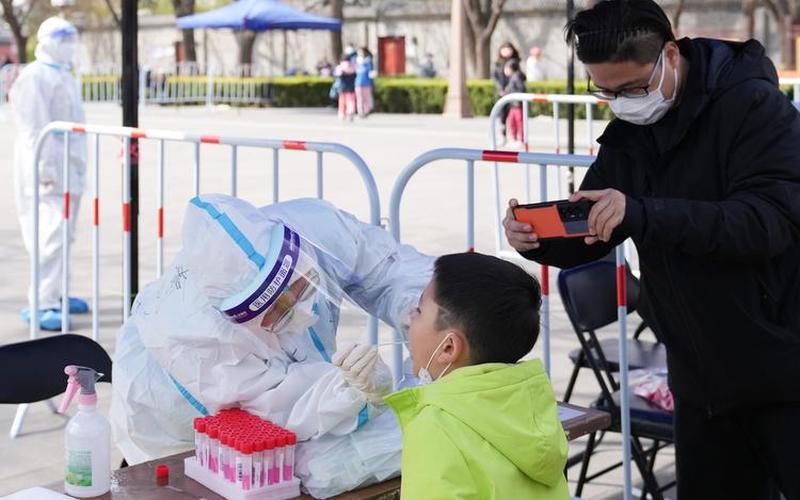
[{"x": 217, "y": 484}]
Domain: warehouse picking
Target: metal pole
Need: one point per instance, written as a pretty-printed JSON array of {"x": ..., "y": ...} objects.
[
  {"x": 96, "y": 243},
  {"x": 234, "y": 166},
  {"x": 320, "y": 176},
  {"x": 65, "y": 240},
  {"x": 160, "y": 211},
  {"x": 470, "y": 205},
  {"x": 571, "y": 91},
  {"x": 130, "y": 118},
  {"x": 622, "y": 317}
]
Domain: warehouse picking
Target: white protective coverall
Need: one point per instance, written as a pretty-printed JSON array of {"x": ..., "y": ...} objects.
[
  {"x": 178, "y": 356},
  {"x": 46, "y": 91}
]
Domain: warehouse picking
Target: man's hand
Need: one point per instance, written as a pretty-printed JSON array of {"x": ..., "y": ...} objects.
[
  {"x": 519, "y": 234},
  {"x": 606, "y": 214},
  {"x": 364, "y": 369}
]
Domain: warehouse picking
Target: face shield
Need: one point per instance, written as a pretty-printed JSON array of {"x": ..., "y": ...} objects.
[{"x": 282, "y": 296}]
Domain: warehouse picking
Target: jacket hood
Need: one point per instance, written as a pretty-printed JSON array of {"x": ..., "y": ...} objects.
[
  {"x": 715, "y": 66},
  {"x": 511, "y": 407}
]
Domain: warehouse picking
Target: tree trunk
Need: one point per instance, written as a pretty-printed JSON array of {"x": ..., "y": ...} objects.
[
  {"x": 189, "y": 47},
  {"x": 247, "y": 41},
  {"x": 469, "y": 50},
  {"x": 337, "y": 11},
  {"x": 483, "y": 56},
  {"x": 12, "y": 18},
  {"x": 186, "y": 8}
]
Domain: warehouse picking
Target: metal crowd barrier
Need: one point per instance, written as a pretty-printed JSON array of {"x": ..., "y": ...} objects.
[
  {"x": 162, "y": 137},
  {"x": 544, "y": 161}
]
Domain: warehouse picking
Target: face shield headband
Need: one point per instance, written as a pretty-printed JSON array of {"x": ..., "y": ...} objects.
[{"x": 272, "y": 280}]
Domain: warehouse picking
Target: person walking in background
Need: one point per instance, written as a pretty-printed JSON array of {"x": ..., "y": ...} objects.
[
  {"x": 346, "y": 74},
  {"x": 364, "y": 82},
  {"x": 534, "y": 66},
  {"x": 46, "y": 91},
  {"x": 426, "y": 67},
  {"x": 516, "y": 83},
  {"x": 506, "y": 53}
]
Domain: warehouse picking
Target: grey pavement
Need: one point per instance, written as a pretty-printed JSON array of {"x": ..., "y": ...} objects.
[{"x": 432, "y": 213}]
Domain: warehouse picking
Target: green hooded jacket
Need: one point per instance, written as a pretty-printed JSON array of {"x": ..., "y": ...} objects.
[{"x": 487, "y": 431}]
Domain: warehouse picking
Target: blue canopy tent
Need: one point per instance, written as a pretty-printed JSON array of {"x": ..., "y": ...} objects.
[{"x": 259, "y": 15}]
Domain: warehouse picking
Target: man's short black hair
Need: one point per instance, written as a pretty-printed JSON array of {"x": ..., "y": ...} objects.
[
  {"x": 620, "y": 30},
  {"x": 494, "y": 302}
]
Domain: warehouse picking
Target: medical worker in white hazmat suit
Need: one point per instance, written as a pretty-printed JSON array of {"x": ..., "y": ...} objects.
[
  {"x": 46, "y": 91},
  {"x": 246, "y": 315}
]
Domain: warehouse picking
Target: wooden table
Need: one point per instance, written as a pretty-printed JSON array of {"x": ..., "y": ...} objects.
[{"x": 137, "y": 482}]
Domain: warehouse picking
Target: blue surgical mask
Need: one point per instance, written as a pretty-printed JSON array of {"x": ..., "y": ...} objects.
[{"x": 424, "y": 375}]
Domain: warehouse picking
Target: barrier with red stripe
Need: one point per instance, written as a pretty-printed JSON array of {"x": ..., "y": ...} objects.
[
  {"x": 132, "y": 135},
  {"x": 544, "y": 161},
  {"x": 470, "y": 156}
]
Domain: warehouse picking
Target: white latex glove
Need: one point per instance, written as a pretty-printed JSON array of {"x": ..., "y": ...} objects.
[{"x": 364, "y": 369}]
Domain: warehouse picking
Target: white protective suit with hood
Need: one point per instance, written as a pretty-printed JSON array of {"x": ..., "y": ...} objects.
[
  {"x": 178, "y": 356},
  {"x": 46, "y": 91}
]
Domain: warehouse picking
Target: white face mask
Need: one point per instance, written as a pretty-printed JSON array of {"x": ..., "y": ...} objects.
[
  {"x": 424, "y": 375},
  {"x": 646, "y": 110}
]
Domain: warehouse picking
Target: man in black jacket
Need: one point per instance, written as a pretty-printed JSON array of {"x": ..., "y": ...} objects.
[{"x": 701, "y": 169}]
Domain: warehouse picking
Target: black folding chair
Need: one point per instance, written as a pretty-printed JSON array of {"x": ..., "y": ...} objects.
[
  {"x": 34, "y": 370},
  {"x": 641, "y": 353},
  {"x": 589, "y": 296}
]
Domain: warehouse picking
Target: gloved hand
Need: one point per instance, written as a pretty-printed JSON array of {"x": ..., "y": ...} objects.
[{"x": 364, "y": 369}]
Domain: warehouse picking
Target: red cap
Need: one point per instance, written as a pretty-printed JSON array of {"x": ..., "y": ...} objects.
[
  {"x": 281, "y": 441},
  {"x": 200, "y": 425},
  {"x": 259, "y": 444},
  {"x": 292, "y": 440},
  {"x": 247, "y": 448},
  {"x": 213, "y": 432},
  {"x": 162, "y": 470},
  {"x": 270, "y": 443}
]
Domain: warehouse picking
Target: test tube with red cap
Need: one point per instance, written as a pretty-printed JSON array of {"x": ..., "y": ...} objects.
[
  {"x": 288, "y": 457},
  {"x": 213, "y": 448},
  {"x": 246, "y": 464},
  {"x": 200, "y": 441},
  {"x": 280, "y": 454}
]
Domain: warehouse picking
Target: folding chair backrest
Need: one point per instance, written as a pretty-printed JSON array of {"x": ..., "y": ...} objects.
[
  {"x": 589, "y": 294},
  {"x": 34, "y": 370}
]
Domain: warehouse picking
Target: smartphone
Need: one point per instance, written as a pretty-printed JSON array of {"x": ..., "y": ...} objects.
[{"x": 556, "y": 219}]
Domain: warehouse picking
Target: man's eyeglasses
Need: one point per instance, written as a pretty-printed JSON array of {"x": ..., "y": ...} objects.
[{"x": 633, "y": 92}]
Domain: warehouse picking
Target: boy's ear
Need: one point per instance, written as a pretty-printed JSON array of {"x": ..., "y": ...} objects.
[{"x": 455, "y": 350}]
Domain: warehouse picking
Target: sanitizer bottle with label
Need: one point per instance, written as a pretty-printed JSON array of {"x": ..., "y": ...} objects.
[{"x": 87, "y": 441}]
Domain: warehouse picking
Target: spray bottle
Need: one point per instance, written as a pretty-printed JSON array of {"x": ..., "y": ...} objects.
[{"x": 87, "y": 441}]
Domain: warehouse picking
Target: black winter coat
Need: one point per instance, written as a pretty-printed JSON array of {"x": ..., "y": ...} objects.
[{"x": 713, "y": 206}]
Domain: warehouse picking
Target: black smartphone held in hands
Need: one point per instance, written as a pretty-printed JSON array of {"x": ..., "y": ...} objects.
[{"x": 556, "y": 219}]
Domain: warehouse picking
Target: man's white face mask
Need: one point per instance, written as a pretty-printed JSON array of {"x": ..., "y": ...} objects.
[{"x": 651, "y": 108}]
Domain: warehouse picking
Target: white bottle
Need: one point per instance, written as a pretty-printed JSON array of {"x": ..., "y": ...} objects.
[{"x": 87, "y": 439}]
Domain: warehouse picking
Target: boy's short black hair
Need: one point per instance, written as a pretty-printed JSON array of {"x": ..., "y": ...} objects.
[
  {"x": 494, "y": 302},
  {"x": 620, "y": 30}
]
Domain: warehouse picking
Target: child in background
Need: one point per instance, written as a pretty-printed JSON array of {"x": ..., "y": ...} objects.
[
  {"x": 364, "y": 82},
  {"x": 346, "y": 73},
  {"x": 516, "y": 83},
  {"x": 481, "y": 424}
]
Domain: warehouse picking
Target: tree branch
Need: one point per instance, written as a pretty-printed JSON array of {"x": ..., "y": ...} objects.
[
  {"x": 472, "y": 16},
  {"x": 497, "y": 11},
  {"x": 114, "y": 15},
  {"x": 10, "y": 17}
]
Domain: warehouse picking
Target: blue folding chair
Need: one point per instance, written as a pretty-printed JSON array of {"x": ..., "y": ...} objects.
[{"x": 589, "y": 296}]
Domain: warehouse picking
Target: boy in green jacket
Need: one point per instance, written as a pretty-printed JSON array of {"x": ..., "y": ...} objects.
[{"x": 489, "y": 429}]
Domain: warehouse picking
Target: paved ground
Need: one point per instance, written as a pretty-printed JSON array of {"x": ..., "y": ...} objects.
[{"x": 432, "y": 216}]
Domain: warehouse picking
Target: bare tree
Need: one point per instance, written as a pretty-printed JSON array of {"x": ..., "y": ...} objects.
[
  {"x": 186, "y": 8},
  {"x": 749, "y": 10},
  {"x": 17, "y": 19},
  {"x": 483, "y": 16},
  {"x": 337, "y": 11},
  {"x": 247, "y": 40},
  {"x": 782, "y": 12}
]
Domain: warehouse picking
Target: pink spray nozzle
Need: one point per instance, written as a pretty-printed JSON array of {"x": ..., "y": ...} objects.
[{"x": 83, "y": 378}]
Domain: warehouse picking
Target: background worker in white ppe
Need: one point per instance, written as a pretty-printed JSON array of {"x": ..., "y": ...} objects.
[
  {"x": 246, "y": 315},
  {"x": 46, "y": 91}
]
